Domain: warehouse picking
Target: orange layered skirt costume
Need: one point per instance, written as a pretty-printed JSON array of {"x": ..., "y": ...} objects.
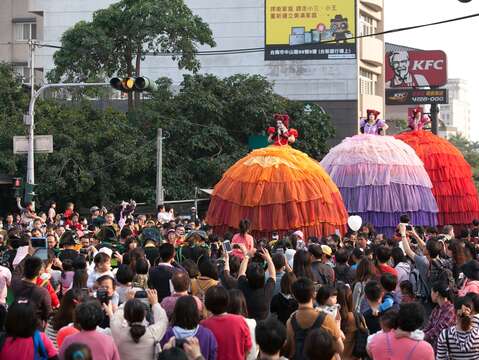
[
  {"x": 278, "y": 189},
  {"x": 451, "y": 177}
]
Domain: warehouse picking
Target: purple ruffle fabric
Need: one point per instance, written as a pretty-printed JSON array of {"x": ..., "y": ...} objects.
[
  {"x": 381, "y": 178},
  {"x": 389, "y": 198},
  {"x": 378, "y": 174}
]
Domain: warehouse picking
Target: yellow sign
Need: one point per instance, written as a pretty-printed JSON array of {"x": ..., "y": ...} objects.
[{"x": 310, "y": 29}]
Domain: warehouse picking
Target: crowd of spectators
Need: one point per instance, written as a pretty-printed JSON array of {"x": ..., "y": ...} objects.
[{"x": 119, "y": 285}]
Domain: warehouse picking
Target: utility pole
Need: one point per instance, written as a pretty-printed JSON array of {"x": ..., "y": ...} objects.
[
  {"x": 29, "y": 120},
  {"x": 159, "y": 168},
  {"x": 434, "y": 119}
]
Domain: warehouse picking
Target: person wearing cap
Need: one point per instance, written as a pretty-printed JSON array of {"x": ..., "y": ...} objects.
[
  {"x": 372, "y": 125},
  {"x": 471, "y": 272},
  {"x": 323, "y": 273},
  {"x": 95, "y": 218}
]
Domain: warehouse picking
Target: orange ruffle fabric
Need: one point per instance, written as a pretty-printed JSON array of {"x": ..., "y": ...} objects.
[
  {"x": 451, "y": 177},
  {"x": 278, "y": 189}
]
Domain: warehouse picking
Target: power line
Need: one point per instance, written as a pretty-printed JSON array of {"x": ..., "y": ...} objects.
[{"x": 261, "y": 49}]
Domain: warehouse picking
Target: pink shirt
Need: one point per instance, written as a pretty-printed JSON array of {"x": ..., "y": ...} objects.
[
  {"x": 247, "y": 240},
  {"x": 386, "y": 346},
  {"x": 102, "y": 346},
  {"x": 22, "y": 348}
]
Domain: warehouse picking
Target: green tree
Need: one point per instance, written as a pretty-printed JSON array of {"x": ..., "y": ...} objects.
[
  {"x": 119, "y": 37},
  {"x": 104, "y": 156},
  {"x": 209, "y": 122},
  {"x": 470, "y": 150}
]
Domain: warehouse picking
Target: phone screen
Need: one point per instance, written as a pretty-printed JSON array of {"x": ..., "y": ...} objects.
[
  {"x": 227, "y": 246},
  {"x": 39, "y": 242},
  {"x": 279, "y": 251}
]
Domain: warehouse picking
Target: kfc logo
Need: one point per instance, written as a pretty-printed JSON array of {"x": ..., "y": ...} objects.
[{"x": 411, "y": 69}]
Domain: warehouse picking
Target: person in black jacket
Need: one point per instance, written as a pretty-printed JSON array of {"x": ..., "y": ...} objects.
[
  {"x": 284, "y": 304},
  {"x": 160, "y": 275}
]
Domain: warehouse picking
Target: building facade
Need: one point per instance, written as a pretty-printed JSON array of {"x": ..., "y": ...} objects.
[
  {"x": 18, "y": 25},
  {"x": 457, "y": 114},
  {"x": 345, "y": 88}
]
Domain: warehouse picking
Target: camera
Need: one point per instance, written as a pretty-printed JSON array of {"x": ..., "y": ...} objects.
[
  {"x": 142, "y": 296},
  {"x": 102, "y": 295}
]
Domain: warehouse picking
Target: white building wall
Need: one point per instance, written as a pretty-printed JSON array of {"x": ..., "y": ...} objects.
[
  {"x": 456, "y": 114},
  {"x": 235, "y": 24}
]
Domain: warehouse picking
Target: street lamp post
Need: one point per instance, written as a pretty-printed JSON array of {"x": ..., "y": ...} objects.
[{"x": 30, "y": 121}]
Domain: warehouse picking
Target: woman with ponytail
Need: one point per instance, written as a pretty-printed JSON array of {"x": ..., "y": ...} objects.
[
  {"x": 243, "y": 238},
  {"x": 460, "y": 341},
  {"x": 442, "y": 316},
  {"x": 185, "y": 324},
  {"x": 133, "y": 335}
]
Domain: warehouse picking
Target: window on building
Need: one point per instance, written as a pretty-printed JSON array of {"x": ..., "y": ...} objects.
[
  {"x": 369, "y": 25},
  {"x": 367, "y": 82},
  {"x": 23, "y": 72},
  {"x": 25, "y": 31}
]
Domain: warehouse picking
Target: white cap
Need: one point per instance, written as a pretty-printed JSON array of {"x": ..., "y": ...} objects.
[{"x": 106, "y": 250}]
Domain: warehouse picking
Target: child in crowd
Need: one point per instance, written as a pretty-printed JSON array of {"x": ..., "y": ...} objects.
[
  {"x": 102, "y": 266},
  {"x": 389, "y": 283},
  {"x": 327, "y": 299}
]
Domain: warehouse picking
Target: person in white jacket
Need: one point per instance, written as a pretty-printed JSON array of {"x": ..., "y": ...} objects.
[{"x": 133, "y": 335}]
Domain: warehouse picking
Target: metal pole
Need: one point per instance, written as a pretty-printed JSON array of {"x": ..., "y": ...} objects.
[
  {"x": 434, "y": 118},
  {"x": 29, "y": 192},
  {"x": 159, "y": 168}
]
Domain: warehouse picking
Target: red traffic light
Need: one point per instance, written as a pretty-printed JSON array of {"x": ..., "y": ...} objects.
[{"x": 17, "y": 183}]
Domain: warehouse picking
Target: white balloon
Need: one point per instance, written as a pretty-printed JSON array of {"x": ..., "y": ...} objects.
[{"x": 355, "y": 222}]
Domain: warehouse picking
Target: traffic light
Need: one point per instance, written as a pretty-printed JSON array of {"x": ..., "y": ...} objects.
[
  {"x": 17, "y": 183},
  {"x": 131, "y": 84}
]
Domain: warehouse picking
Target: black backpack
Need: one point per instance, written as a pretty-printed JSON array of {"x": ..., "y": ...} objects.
[
  {"x": 441, "y": 272},
  {"x": 360, "y": 337},
  {"x": 300, "y": 334}
]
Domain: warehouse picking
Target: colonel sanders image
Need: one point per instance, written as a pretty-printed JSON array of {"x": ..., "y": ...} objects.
[{"x": 399, "y": 61}]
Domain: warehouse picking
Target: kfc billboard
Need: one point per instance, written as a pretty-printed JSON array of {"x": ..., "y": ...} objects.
[{"x": 411, "y": 69}]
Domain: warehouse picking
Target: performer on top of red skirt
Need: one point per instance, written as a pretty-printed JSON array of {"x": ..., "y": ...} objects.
[{"x": 451, "y": 176}]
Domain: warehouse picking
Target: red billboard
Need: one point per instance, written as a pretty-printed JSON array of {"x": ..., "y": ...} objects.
[{"x": 410, "y": 69}]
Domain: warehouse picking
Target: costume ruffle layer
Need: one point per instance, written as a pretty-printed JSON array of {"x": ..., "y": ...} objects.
[
  {"x": 310, "y": 216},
  {"x": 377, "y": 174},
  {"x": 450, "y": 174},
  {"x": 371, "y": 149},
  {"x": 389, "y": 199},
  {"x": 278, "y": 189}
]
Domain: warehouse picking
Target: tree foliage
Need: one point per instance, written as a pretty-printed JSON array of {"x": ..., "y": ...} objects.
[
  {"x": 119, "y": 37},
  {"x": 209, "y": 122},
  {"x": 104, "y": 156},
  {"x": 470, "y": 150}
]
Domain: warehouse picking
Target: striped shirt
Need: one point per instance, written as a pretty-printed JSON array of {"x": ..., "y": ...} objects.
[
  {"x": 51, "y": 334},
  {"x": 462, "y": 345}
]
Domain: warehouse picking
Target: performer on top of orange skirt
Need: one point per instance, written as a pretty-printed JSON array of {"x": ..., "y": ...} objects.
[
  {"x": 279, "y": 189},
  {"x": 451, "y": 176}
]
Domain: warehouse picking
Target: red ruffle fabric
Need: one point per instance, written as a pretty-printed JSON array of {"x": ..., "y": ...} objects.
[
  {"x": 278, "y": 189},
  {"x": 450, "y": 174}
]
